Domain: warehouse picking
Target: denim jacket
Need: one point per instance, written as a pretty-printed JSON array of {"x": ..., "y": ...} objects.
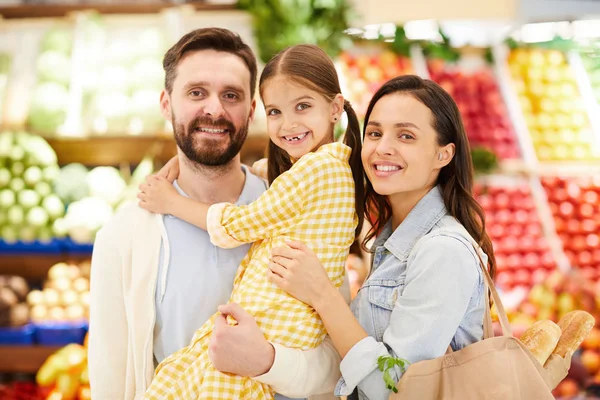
[{"x": 425, "y": 292}]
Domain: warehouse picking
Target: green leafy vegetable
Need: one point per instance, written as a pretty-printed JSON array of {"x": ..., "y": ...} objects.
[{"x": 385, "y": 364}]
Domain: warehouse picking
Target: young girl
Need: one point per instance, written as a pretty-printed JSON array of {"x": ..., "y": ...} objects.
[
  {"x": 425, "y": 290},
  {"x": 316, "y": 196}
]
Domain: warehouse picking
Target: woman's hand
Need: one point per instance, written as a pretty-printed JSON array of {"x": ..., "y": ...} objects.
[
  {"x": 157, "y": 195},
  {"x": 296, "y": 269},
  {"x": 170, "y": 171}
]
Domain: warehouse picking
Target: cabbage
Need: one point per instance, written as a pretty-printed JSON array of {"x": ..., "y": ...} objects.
[
  {"x": 6, "y": 143},
  {"x": 39, "y": 152},
  {"x": 53, "y": 206},
  {"x": 27, "y": 233},
  {"x": 54, "y": 66},
  {"x": 37, "y": 217},
  {"x": 45, "y": 235},
  {"x": 71, "y": 184},
  {"x": 60, "y": 228},
  {"x": 17, "y": 168},
  {"x": 9, "y": 234},
  {"x": 49, "y": 107},
  {"x": 58, "y": 39},
  {"x": 16, "y": 185},
  {"x": 16, "y": 153},
  {"x": 4, "y": 177},
  {"x": 32, "y": 176},
  {"x": 7, "y": 199},
  {"x": 107, "y": 184},
  {"x": 28, "y": 199},
  {"x": 43, "y": 189},
  {"x": 85, "y": 217},
  {"x": 50, "y": 173},
  {"x": 15, "y": 215}
]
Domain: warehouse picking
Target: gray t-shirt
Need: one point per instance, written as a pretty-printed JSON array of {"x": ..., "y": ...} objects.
[{"x": 199, "y": 277}]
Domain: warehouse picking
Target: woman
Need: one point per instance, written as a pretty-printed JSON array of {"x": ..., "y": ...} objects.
[{"x": 425, "y": 290}]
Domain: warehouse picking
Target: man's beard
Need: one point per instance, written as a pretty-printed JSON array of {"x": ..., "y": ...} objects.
[{"x": 207, "y": 155}]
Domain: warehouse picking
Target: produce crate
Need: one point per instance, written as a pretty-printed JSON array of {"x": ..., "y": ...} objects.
[
  {"x": 55, "y": 246},
  {"x": 60, "y": 333},
  {"x": 17, "y": 336}
]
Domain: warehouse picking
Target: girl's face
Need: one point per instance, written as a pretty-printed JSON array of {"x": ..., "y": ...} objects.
[
  {"x": 400, "y": 152},
  {"x": 299, "y": 120}
]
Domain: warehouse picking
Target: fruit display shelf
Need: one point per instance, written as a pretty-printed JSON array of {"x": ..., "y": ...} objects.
[
  {"x": 35, "y": 267},
  {"x": 24, "y": 359},
  {"x": 115, "y": 150},
  {"x": 555, "y": 113},
  {"x": 364, "y": 68},
  {"x": 575, "y": 205},
  {"x": 552, "y": 298},
  {"x": 472, "y": 84},
  {"x": 523, "y": 253},
  {"x": 61, "y": 9}
]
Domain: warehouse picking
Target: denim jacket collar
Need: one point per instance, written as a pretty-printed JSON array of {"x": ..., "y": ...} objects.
[{"x": 421, "y": 219}]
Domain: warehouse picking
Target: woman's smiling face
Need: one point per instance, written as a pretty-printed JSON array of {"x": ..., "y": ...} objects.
[{"x": 400, "y": 149}]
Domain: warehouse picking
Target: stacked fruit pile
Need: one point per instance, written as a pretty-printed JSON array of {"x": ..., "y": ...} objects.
[
  {"x": 365, "y": 70},
  {"x": 523, "y": 256},
  {"x": 556, "y": 296},
  {"x": 576, "y": 208},
  {"x": 25, "y": 390},
  {"x": 66, "y": 373},
  {"x": 480, "y": 103},
  {"x": 29, "y": 210},
  {"x": 552, "y": 299},
  {"x": 13, "y": 309},
  {"x": 65, "y": 296},
  {"x": 552, "y": 105}
]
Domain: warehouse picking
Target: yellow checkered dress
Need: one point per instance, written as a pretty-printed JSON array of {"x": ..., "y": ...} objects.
[{"x": 314, "y": 203}]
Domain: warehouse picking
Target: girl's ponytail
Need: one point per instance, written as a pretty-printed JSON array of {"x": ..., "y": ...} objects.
[{"x": 352, "y": 138}]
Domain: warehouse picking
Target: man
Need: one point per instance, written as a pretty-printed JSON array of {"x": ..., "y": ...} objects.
[{"x": 156, "y": 279}]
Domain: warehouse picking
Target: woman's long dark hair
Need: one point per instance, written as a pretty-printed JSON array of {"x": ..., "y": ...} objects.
[
  {"x": 455, "y": 179},
  {"x": 310, "y": 66}
]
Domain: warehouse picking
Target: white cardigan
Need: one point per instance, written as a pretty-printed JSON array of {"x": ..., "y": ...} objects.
[{"x": 123, "y": 281}]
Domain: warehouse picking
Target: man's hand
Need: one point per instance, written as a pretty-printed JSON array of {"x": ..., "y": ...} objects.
[{"x": 241, "y": 349}]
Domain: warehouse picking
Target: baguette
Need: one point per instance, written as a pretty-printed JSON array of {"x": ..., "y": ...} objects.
[
  {"x": 541, "y": 339},
  {"x": 575, "y": 327}
]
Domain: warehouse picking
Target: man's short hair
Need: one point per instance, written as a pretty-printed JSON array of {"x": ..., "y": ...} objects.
[{"x": 217, "y": 39}]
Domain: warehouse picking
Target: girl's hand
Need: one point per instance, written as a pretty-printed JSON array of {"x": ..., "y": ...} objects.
[
  {"x": 296, "y": 269},
  {"x": 157, "y": 195},
  {"x": 261, "y": 169},
  {"x": 170, "y": 171}
]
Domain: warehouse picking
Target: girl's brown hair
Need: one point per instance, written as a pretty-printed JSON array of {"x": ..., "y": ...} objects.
[
  {"x": 455, "y": 179},
  {"x": 309, "y": 66}
]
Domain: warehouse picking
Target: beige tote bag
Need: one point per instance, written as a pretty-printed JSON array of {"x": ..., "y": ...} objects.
[{"x": 498, "y": 368}]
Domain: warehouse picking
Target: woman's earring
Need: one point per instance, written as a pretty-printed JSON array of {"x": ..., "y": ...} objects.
[{"x": 335, "y": 118}]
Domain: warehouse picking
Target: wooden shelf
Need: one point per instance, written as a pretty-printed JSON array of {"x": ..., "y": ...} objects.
[
  {"x": 34, "y": 266},
  {"x": 24, "y": 359},
  {"x": 128, "y": 7},
  {"x": 115, "y": 150}
]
